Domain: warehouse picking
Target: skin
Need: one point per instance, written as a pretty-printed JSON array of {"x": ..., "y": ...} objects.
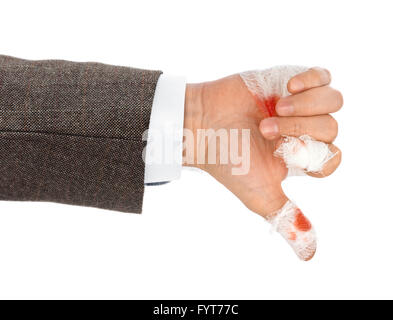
[{"x": 227, "y": 103}]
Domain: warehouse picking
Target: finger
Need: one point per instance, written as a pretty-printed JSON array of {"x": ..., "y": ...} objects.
[
  {"x": 331, "y": 165},
  {"x": 323, "y": 128},
  {"x": 312, "y": 102},
  {"x": 312, "y": 78}
]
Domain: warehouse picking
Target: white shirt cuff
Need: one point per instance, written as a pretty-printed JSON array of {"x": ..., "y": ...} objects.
[{"x": 164, "y": 149}]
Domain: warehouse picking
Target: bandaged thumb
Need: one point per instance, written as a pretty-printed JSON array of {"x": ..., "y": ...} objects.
[{"x": 296, "y": 229}]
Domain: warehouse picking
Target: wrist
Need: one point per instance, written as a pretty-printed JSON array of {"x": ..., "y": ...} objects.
[{"x": 193, "y": 120}]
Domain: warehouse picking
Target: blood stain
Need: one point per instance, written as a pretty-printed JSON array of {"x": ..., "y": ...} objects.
[
  {"x": 268, "y": 105},
  {"x": 301, "y": 222},
  {"x": 292, "y": 236}
]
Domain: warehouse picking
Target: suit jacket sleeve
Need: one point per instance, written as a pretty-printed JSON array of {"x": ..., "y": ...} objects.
[{"x": 72, "y": 132}]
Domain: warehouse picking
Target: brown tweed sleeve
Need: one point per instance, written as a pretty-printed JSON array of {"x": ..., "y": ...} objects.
[{"x": 72, "y": 132}]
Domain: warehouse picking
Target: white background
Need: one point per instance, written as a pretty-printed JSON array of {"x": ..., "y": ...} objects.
[{"x": 194, "y": 239}]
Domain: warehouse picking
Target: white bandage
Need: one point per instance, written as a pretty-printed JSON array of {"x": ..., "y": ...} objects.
[
  {"x": 304, "y": 153},
  {"x": 290, "y": 222},
  {"x": 270, "y": 83}
]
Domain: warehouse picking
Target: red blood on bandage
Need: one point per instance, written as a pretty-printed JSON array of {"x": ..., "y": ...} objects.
[
  {"x": 301, "y": 222},
  {"x": 292, "y": 236},
  {"x": 267, "y": 105}
]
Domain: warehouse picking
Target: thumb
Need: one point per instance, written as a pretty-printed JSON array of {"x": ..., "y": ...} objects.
[{"x": 295, "y": 228}]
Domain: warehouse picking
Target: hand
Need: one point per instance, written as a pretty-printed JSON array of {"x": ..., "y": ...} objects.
[{"x": 228, "y": 104}]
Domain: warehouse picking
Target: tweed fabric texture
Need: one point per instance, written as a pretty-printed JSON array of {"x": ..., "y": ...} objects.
[{"x": 72, "y": 132}]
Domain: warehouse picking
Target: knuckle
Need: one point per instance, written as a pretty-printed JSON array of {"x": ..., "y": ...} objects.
[
  {"x": 322, "y": 74},
  {"x": 327, "y": 75},
  {"x": 336, "y": 160},
  {"x": 332, "y": 127},
  {"x": 325, "y": 172},
  {"x": 339, "y": 155},
  {"x": 339, "y": 99},
  {"x": 332, "y": 165},
  {"x": 315, "y": 73}
]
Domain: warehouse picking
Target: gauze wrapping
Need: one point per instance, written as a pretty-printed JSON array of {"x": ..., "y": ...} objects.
[
  {"x": 290, "y": 222},
  {"x": 304, "y": 153},
  {"x": 270, "y": 84}
]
